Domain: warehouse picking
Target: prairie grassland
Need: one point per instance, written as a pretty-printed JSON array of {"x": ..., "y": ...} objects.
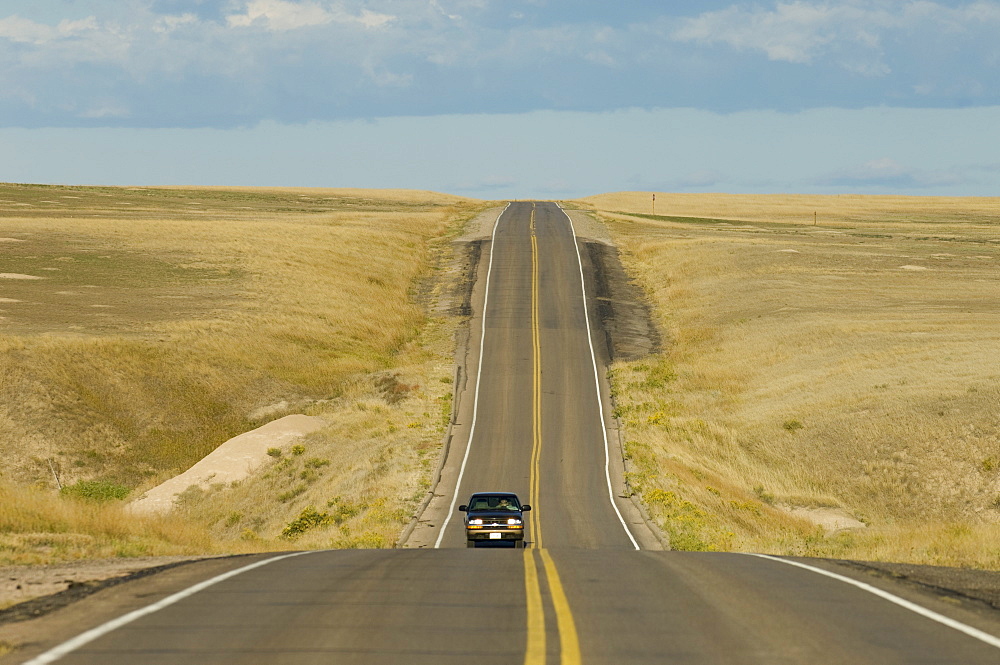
[
  {"x": 142, "y": 327},
  {"x": 805, "y": 209},
  {"x": 846, "y": 368}
]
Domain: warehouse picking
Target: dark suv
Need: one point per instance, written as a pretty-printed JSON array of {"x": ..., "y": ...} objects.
[{"x": 496, "y": 517}]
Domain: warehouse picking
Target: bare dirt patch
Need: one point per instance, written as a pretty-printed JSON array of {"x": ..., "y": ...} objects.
[
  {"x": 463, "y": 266},
  {"x": 831, "y": 520},
  {"x": 616, "y": 299},
  {"x": 623, "y": 312}
]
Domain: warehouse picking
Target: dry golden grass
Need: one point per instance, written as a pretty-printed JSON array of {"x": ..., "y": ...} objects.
[
  {"x": 365, "y": 197},
  {"x": 805, "y": 208},
  {"x": 849, "y": 365},
  {"x": 367, "y": 472},
  {"x": 38, "y": 526},
  {"x": 170, "y": 319}
]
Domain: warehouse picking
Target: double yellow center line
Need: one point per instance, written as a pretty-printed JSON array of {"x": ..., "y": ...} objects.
[
  {"x": 569, "y": 644},
  {"x": 536, "y": 391}
]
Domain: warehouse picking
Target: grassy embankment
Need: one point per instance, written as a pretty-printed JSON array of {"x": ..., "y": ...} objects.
[
  {"x": 140, "y": 328},
  {"x": 847, "y": 366}
]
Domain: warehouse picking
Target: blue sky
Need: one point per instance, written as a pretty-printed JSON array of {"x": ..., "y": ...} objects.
[{"x": 505, "y": 98}]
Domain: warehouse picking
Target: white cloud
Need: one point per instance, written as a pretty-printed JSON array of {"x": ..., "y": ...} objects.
[
  {"x": 282, "y": 15},
  {"x": 17, "y": 29},
  {"x": 600, "y": 57},
  {"x": 371, "y": 19},
  {"x": 25, "y": 31},
  {"x": 854, "y": 34},
  {"x": 167, "y": 24},
  {"x": 438, "y": 8},
  {"x": 232, "y": 62},
  {"x": 791, "y": 32}
]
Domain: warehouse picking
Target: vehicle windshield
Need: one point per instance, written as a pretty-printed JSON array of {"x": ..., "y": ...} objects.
[{"x": 504, "y": 502}]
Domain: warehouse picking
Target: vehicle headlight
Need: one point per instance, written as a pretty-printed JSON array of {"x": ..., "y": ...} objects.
[
  {"x": 513, "y": 520},
  {"x": 476, "y": 521}
]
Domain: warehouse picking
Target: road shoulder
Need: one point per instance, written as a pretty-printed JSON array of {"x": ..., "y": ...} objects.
[{"x": 47, "y": 621}]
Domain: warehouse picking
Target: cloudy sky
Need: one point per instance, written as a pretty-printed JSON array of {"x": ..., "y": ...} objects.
[{"x": 505, "y": 98}]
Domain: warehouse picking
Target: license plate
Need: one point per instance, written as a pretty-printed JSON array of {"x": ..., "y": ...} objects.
[{"x": 495, "y": 535}]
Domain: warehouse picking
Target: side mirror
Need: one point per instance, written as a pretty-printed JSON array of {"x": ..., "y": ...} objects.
[
  {"x": 463, "y": 509},
  {"x": 525, "y": 508}
]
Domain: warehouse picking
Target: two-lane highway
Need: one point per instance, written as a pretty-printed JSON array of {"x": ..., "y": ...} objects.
[
  {"x": 538, "y": 427},
  {"x": 581, "y": 593}
]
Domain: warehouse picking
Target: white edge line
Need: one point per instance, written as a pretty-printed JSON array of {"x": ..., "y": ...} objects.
[
  {"x": 56, "y": 653},
  {"x": 475, "y": 398},
  {"x": 980, "y": 635},
  {"x": 597, "y": 384}
]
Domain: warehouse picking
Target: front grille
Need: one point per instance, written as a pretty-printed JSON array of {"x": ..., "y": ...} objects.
[{"x": 495, "y": 522}]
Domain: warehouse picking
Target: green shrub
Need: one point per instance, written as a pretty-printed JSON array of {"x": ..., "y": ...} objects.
[
  {"x": 687, "y": 525},
  {"x": 792, "y": 425},
  {"x": 344, "y": 510},
  {"x": 309, "y": 518},
  {"x": 763, "y": 494},
  {"x": 96, "y": 490},
  {"x": 661, "y": 374}
]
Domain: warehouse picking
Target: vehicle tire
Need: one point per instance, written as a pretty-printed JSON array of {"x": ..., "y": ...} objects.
[{"x": 470, "y": 543}]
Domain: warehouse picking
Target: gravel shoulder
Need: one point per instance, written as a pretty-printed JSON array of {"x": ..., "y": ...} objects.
[
  {"x": 27, "y": 592},
  {"x": 959, "y": 583}
]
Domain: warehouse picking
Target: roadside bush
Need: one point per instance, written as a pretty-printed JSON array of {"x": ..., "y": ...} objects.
[
  {"x": 309, "y": 518},
  {"x": 96, "y": 490}
]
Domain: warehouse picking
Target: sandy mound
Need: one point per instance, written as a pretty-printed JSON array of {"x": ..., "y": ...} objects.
[{"x": 234, "y": 460}]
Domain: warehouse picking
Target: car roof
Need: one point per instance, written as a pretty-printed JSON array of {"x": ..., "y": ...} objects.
[{"x": 479, "y": 494}]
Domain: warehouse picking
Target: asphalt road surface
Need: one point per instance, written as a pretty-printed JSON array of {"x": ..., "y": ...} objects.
[{"x": 590, "y": 587}]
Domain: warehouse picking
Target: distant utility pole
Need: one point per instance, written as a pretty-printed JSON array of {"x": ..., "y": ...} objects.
[
  {"x": 814, "y": 218},
  {"x": 654, "y": 204}
]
